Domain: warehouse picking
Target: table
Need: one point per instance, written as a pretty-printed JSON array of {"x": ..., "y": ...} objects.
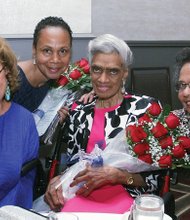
[
  {"x": 95, "y": 216},
  {"x": 17, "y": 213}
]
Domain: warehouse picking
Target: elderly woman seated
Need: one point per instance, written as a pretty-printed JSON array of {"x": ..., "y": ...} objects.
[{"x": 105, "y": 188}]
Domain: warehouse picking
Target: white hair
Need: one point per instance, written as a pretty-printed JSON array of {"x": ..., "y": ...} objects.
[{"x": 108, "y": 43}]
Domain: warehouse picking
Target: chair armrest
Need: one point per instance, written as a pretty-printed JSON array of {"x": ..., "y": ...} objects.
[
  {"x": 28, "y": 166},
  {"x": 169, "y": 205}
]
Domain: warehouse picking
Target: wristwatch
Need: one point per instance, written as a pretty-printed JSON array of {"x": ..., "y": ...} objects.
[{"x": 130, "y": 180}]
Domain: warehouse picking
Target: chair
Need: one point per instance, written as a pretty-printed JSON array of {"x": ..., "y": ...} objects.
[
  {"x": 151, "y": 81},
  {"x": 155, "y": 82},
  {"x": 30, "y": 165},
  {"x": 40, "y": 183},
  {"x": 168, "y": 177}
]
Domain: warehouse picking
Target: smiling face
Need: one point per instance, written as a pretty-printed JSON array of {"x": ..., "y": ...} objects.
[
  {"x": 184, "y": 94},
  {"x": 53, "y": 52},
  {"x": 107, "y": 74}
]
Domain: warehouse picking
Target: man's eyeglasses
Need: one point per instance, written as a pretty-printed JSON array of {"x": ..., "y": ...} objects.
[{"x": 180, "y": 86}]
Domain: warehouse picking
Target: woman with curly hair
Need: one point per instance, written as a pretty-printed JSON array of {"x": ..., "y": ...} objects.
[{"x": 18, "y": 136}]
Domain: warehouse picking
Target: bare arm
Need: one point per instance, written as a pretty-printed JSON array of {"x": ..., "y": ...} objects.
[
  {"x": 93, "y": 178},
  {"x": 97, "y": 177}
]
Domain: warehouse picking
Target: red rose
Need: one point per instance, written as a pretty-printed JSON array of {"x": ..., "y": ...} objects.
[
  {"x": 82, "y": 63},
  {"x": 178, "y": 151},
  {"x": 184, "y": 141},
  {"x": 143, "y": 119},
  {"x": 75, "y": 74},
  {"x": 146, "y": 158},
  {"x": 137, "y": 134},
  {"x": 166, "y": 142},
  {"x": 62, "y": 81},
  {"x": 165, "y": 161},
  {"x": 86, "y": 69},
  {"x": 159, "y": 130},
  {"x": 172, "y": 121},
  {"x": 141, "y": 148},
  {"x": 154, "y": 109}
]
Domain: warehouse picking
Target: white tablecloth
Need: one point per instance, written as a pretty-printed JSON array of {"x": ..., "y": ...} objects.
[
  {"x": 16, "y": 213},
  {"x": 95, "y": 216}
]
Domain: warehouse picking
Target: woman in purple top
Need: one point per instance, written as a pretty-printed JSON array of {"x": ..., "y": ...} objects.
[{"x": 19, "y": 140}]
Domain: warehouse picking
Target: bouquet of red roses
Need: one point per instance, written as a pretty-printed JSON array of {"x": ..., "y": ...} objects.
[
  {"x": 158, "y": 139},
  {"x": 69, "y": 87},
  {"x": 76, "y": 77}
]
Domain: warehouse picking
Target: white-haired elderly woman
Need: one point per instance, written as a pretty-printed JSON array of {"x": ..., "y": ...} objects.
[{"x": 106, "y": 188}]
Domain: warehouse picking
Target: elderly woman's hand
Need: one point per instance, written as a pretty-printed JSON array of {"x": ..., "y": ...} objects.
[
  {"x": 88, "y": 97},
  {"x": 53, "y": 195},
  {"x": 95, "y": 177}
]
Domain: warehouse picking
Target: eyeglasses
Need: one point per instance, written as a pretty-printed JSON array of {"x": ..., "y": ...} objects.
[
  {"x": 109, "y": 71},
  {"x": 180, "y": 86}
]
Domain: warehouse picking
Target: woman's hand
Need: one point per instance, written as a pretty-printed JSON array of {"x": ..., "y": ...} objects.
[
  {"x": 95, "y": 177},
  {"x": 88, "y": 97},
  {"x": 63, "y": 112},
  {"x": 53, "y": 195}
]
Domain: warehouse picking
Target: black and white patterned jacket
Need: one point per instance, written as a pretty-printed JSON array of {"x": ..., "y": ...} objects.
[{"x": 80, "y": 123}]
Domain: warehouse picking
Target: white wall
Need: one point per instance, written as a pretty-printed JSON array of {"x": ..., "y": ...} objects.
[
  {"x": 19, "y": 17},
  {"x": 128, "y": 19},
  {"x": 142, "y": 19}
]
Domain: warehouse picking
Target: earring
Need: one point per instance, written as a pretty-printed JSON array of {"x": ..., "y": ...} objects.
[
  {"x": 34, "y": 60},
  {"x": 123, "y": 86},
  {"x": 7, "y": 92}
]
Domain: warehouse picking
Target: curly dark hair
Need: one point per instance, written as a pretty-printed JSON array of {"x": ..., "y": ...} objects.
[
  {"x": 9, "y": 61},
  {"x": 53, "y": 22},
  {"x": 182, "y": 57}
]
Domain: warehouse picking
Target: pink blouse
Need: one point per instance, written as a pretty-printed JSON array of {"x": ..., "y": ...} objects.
[{"x": 97, "y": 131}]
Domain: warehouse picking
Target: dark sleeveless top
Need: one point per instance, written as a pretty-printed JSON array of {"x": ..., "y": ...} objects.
[{"x": 28, "y": 96}]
